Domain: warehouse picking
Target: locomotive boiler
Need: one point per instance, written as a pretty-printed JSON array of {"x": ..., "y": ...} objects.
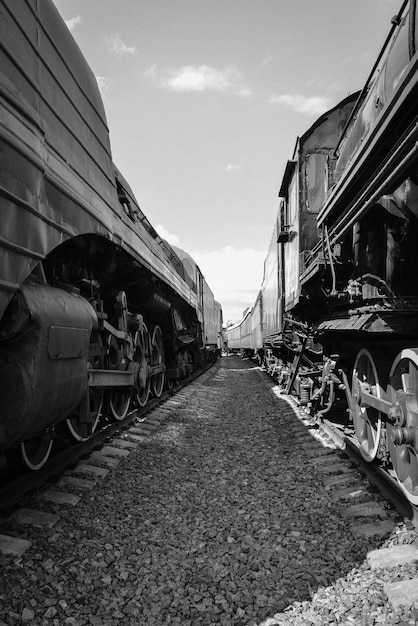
[
  {"x": 97, "y": 312},
  {"x": 339, "y": 298}
]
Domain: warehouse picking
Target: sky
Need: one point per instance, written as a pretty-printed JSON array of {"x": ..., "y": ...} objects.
[{"x": 204, "y": 101}]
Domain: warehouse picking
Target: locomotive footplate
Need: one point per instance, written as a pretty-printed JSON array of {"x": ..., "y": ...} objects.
[
  {"x": 120, "y": 378},
  {"x": 387, "y": 317}
]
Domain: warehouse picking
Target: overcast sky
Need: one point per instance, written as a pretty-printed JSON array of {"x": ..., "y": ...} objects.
[{"x": 204, "y": 101}]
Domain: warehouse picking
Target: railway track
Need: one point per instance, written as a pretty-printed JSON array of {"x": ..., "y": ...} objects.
[
  {"x": 250, "y": 456},
  {"x": 367, "y": 495},
  {"x": 332, "y": 435},
  {"x": 382, "y": 479},
  {"x": 344, "y": 461},
  {"x": 14, "y": 485}
]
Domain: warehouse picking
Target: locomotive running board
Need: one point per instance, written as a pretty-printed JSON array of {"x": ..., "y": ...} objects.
[{"x": 118, "y": 378}]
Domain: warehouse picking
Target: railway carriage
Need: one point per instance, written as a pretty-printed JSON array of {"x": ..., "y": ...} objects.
[
  {"x": 96, "y": 310},
  {"x": 270, "y": 295},
  {"x": 239, "y": 335},
  {"x": 209, "y": 311},
  {"x": 219, "y": 326},
  {"x": 347, "y": 261},
  {"x": 233, "y": 334},
  {"x": 256, "y": 326}
]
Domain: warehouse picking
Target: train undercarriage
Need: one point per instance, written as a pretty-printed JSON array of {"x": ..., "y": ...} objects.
[
  {"x": 350, "y": 345},
  {"x": 89, "y": 336},
  {"x": 374, "y": 389}
]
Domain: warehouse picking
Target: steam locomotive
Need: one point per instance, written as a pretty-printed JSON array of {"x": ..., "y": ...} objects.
[
  {"x": 336, "y": 318},
  {"x": 97, "y": 312}
]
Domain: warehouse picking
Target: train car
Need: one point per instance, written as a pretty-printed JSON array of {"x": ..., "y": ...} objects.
[
  {"x": 209, "y": 311},
  {"x": 306, "y": 181},
  {"x": 96, "y": 310},
  {"x": 219, "y": 323},
  {"x": 239, "y": 335},
  {"x": 302, "y": 192},
  {"x": 245, "y": 334},
  {"x": 270, "y": 295},
  {"x": 257, "y": 328},
  {"x": 233, "y": 337},
  {"x": 347, "y": 259},
  {"x": 369, "y": 223}
]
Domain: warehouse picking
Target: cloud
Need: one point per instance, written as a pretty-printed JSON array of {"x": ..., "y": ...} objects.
[
  {"x": 245, "y": 92},
  {"x": 73, "y": 22},
  {"x": 164, "y": 234},
  {"x": 202, "y": 78},
  {"x": 152, "y": 73},
  {"x": 268, "y": 60},
  {"x": 233, "y": 167},
  {"x": 331, "y": 87},
  {"x": 308, "y": 105},
  {"x": 117, "y": 46},
  {"x": 234, "y": 275}
]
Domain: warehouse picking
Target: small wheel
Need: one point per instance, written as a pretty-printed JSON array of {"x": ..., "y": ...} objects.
[
  {"x": 83, "y": 423},
  {"x": 142, "y": 356},
  {"x": 81, "y": 430},
  {"x": 119, "y": 402},
  {"x": 402, "y": 428},
  {"x": 366, "y": 420},
  {"x": 157, "y": 358},
  {"x": 35, "y": 451}
]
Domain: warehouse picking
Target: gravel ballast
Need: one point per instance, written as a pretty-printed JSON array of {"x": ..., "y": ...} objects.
[{"x": 218, "y": 517}]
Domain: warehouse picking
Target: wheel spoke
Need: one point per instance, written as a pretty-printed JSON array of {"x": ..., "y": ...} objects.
[
  {"x": 157, "y": 358},
  {"x": 83, "y": 423},
  {"x": 403, "y": 447},
  {"x": 142, "y": 356},
  {"x": 367, "y": 421},
  {"x": 119, "y": 402},
  {"x": 36, "y": 450}
]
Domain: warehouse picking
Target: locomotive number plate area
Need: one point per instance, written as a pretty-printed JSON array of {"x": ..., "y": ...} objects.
[{"x": 67, "y": 343}]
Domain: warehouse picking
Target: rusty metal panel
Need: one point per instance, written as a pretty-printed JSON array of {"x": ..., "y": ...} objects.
[
  {"x": 316, "y": 158},
  {"x": 67, "y": 343}
]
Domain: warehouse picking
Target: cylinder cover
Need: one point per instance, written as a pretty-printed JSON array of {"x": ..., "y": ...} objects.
[{"x": 43, "y": 359}]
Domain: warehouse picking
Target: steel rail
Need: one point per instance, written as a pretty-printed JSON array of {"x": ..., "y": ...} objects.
[
  {"x": 16, "y": 487},
  {"x": 377, "y": 475}
]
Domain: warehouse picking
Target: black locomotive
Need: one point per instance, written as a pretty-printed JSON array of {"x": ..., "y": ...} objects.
[
  {"x": 336, "y": 320},
  {"x": 96, "y": 310}
]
